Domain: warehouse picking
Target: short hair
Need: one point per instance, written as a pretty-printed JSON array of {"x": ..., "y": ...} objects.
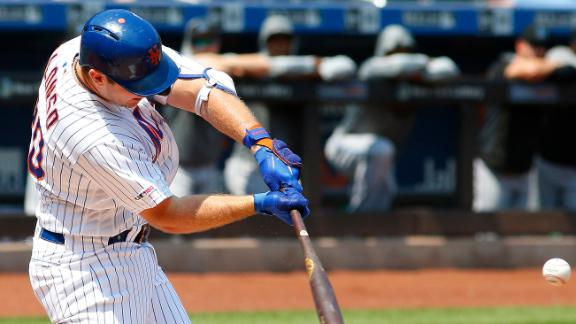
[{"x": 537, "y": 36}]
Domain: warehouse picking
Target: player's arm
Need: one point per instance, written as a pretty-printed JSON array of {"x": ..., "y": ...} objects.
[
  {"x": 211, "y": 94},
  {"x": 253, "y": 65},
  {"x": 530, "y": 69},
  {"x": 257, "y": 65},
  {"x": 198, "y": 213},
  {"x": 214, "y": 99},
  {"x": 214, "y": 60},
  {"x": 225, "y": 111},
  {"x": 123, "y": 171}
]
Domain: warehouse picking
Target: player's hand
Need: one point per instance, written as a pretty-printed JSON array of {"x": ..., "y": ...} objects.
[
  {"x": 279, "y": 166},
  {"x": 280, "y": 204}
]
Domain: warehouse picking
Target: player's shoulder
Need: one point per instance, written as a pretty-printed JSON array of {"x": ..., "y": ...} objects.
[
  {"x": 72, "y": 45},
  {"x": 67, "y": 50},
  {"x": 90, "y": 123}
]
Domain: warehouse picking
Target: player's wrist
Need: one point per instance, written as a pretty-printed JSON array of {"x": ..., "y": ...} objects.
[
  {"x": 256, "y": 136},
  {"x": 259, "y": 201}
]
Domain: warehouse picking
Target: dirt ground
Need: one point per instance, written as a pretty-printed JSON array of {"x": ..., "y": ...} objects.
[{"x": 354, "y": 290}]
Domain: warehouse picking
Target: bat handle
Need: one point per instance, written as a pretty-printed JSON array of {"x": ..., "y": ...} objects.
[{"x": 297, "y": 221}]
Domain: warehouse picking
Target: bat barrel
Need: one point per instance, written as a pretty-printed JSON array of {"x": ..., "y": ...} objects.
[{"x": 324, "y": 298}]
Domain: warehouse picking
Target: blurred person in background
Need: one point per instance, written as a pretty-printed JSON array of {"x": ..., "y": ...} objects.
[
  {"x": 509, "y": 140},
  {"x": 201, "y": 146},
  {"x": 277, "y": 59},
  {"x": 556, "y": 165},
  {"x": 363, "y": 146}
]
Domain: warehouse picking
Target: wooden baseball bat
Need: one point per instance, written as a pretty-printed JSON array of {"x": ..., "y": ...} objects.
[{"x": 324, "y": 298}]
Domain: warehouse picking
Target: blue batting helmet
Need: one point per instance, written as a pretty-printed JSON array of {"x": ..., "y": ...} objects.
[{"x": 127, "y": 49}]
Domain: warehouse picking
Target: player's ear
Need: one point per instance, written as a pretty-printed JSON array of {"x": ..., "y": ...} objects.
[{"x": 97, "y": 77}]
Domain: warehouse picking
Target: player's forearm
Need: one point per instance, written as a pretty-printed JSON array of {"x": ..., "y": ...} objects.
[
  {"x": 247, "y": 65},
  {"x": 530, "y": 69},
  {"x": 196, "y": 213},
  {"x": 229, "y": 115},
  {"x": 224, "y": 111}
]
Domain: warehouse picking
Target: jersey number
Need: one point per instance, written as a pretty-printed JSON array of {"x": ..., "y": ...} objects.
[{"x": 36, "y": 153}]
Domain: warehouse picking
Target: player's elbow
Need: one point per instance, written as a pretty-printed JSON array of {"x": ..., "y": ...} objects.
[
  {"x": 159, "y": 216},
  {"x": 167, "y": 224},
  {"x": 164, "y": 217},
  {"x": 169, "y": 227},
  {"x": 166, "y": 228}
]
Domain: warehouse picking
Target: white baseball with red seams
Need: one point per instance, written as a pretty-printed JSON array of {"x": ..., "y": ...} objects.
[{"x": 556, "y": 271}]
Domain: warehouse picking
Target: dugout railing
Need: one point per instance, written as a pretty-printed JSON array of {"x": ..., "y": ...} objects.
[{"x": 417, "y": 216}]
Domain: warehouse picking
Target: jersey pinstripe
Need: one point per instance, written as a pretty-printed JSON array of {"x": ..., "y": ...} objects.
[
  {"x": 96, "y": 164},
  {"x": 88, "y": 281}
]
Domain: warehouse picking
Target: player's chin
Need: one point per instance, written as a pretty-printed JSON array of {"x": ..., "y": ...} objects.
[{"x": 133, "y": 102}]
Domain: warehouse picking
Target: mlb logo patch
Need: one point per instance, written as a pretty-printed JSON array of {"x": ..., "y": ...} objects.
[{"x": 144, "y": 193}]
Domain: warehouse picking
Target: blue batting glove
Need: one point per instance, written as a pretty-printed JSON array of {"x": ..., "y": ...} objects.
[
  {"x": 279, "y": 166},
  {"x": 280, "y": 204},
  {"x": 275, "y": 172}
]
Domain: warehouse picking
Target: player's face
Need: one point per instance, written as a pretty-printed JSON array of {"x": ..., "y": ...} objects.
[
  {"x": 121, "y": 96},
  {"x": 206, "y": 44},
  {"x": 112, "y": 91},
  {"x": 523, "y": 48},
  {"x": 279, "y": 45}
]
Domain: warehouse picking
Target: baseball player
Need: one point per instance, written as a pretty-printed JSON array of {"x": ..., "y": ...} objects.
[
  {"x": 102, "y": 159},
  {"x": 363, "y": 146},
  {"x": 556, "y": 165},
  {"x": 509, "y": 137}
]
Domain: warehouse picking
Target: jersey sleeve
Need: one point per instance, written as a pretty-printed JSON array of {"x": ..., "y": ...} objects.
[
  {"x": 187, "y": 65},
  {"x": 441, "y": 68},
  {"x": 393, "y": 66},
  {"x": 126, "y": 173}
]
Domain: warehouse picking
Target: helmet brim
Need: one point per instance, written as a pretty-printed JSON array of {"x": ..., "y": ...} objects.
[{"x": 161, "y": 79}]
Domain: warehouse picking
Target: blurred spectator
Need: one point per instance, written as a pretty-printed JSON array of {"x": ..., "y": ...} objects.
[
  {"x": 202, "y": 39},
  {"x": 504, "y": 176},
  {"x": 277, "y": 59},
  {"x": 556, "y": 167},
  {"x": 199, "y": 171},
  {"x": 363, "y": 146}
]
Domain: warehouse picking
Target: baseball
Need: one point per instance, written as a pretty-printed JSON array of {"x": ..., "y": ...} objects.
[{"x": 556, "y": 271}]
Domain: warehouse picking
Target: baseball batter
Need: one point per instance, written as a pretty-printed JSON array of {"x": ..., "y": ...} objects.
[{"x": 102, "y": 160}]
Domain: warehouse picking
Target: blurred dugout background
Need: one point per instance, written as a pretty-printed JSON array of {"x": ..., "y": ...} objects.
[{"x": 434, "y": 168}]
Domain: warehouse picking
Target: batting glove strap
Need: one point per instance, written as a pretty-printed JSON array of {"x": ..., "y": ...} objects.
[{"x": 256, "y": 135}]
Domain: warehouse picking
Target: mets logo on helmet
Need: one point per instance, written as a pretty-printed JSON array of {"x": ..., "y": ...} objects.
[{"x": 154, "y": 55}]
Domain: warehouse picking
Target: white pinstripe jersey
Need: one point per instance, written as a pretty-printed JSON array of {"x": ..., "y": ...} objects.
[{"x": 96, "y": 164}]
